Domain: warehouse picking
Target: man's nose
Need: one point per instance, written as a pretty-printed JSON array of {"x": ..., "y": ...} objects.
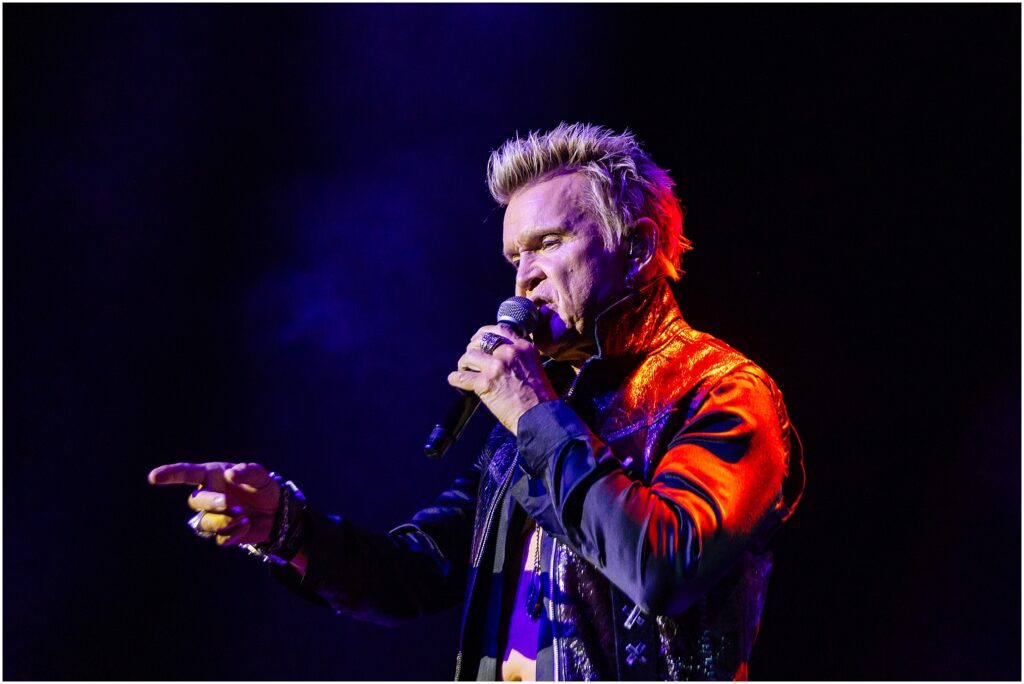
[{"x": 528, "y": 275}]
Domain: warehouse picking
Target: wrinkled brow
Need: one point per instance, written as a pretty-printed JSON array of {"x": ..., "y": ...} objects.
[
  {"x": 581, "y": 214},
  {"x": 531, "y": 236}
]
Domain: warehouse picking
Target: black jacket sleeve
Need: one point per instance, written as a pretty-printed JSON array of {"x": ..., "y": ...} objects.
[
  {"x": 718, "y": 490},
  {"x": 417, "y": 568}
]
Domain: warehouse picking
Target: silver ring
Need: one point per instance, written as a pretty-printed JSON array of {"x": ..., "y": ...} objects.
[
  {"x": 194, "y": 521},
  {"x": 490, "y": 341}
]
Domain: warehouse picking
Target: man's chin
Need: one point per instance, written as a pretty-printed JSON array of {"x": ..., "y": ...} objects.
[
  {"x": 560, "y": 348},
  {"x": 545, "y": 345},
  {"x": 555, "y": 339}
]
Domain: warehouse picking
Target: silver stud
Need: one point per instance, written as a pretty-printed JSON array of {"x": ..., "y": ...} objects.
[
  {"x": 635, "y": 617},
  {"x": 635, "y": 652}
]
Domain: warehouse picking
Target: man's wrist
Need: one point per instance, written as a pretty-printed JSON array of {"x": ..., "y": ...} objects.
[
  {"x": 287, "y": 534},
  {"x": 544, "y": 429}
]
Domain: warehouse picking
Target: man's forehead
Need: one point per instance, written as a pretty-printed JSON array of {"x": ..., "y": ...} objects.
[
  {"x": 564, "y": 189},
  {"x": 560, "y": 202}
]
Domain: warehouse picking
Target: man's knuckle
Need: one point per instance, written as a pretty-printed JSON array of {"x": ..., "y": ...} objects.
[{"x": 213, "y": 522}]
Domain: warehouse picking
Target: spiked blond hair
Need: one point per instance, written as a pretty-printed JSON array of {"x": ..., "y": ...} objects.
[{"x": 625, "y": 184}]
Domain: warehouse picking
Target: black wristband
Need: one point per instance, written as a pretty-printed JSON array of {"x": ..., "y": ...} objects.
[{"x": 288, "y": 531}]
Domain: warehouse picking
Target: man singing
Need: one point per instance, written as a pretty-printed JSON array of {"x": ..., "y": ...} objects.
[{"x": 616, "y": 523}]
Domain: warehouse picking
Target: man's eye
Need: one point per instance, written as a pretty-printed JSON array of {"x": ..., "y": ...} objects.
[{"x": 550, "y": 242}]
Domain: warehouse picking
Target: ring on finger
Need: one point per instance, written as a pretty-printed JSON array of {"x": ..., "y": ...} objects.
[
  {"x": 195, "y": 523},
  {"x": 490, "y": 341}
]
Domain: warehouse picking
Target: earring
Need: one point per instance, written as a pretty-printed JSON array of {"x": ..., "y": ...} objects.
[
  {"x": 634, "y": 248},
  {"x": 631, "y": 279}
]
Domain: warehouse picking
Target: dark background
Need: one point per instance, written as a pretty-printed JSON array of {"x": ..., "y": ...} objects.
[{"x": 262, "y": 233}]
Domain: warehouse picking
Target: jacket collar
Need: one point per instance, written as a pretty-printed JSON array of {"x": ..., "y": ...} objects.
[{"x": 638, "y": 323}]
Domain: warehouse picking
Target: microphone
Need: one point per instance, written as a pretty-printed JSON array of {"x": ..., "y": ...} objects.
[{"x": 520, "y": 315}]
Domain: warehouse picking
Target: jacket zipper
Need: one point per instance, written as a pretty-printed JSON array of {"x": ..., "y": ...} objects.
[
  {"x": 490, "y": 516},
  {"x": 556, "y": 652},
  {"x": 572, "y": 387}
]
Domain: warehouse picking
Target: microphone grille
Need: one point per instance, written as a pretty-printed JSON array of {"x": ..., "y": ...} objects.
[{"x": 520, "y": 313}]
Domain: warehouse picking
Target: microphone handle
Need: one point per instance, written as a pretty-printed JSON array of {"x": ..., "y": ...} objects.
[{"x": 446, "y": 432}]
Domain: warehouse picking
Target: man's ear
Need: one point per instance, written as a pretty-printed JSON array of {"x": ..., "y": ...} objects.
[{"x": 642, "y": 243}]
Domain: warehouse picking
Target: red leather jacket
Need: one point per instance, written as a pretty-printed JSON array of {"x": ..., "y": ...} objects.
[{"x": 658, "y": 479}]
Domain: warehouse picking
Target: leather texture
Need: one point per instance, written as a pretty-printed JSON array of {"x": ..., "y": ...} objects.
[
  {"x": 658, "y": 479},
  {"x": 679, "y": 471}
]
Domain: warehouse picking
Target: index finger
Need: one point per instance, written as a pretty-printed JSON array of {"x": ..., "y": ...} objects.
[
  {"x": 502, "y": 329},
  {"x": 508, "y": 331},
  {"x": 178, "y": 473}
]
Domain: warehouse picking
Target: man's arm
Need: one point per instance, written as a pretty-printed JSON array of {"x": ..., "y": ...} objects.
[
  {"x": 718, "y": 490},
  {"x": 415, "y": 569}
]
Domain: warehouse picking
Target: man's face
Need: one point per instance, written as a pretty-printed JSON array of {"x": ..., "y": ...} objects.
[{"x": 562, "y": 263}]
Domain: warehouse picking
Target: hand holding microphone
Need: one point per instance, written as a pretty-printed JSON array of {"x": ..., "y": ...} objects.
[{"x": 502, "y": 368}]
